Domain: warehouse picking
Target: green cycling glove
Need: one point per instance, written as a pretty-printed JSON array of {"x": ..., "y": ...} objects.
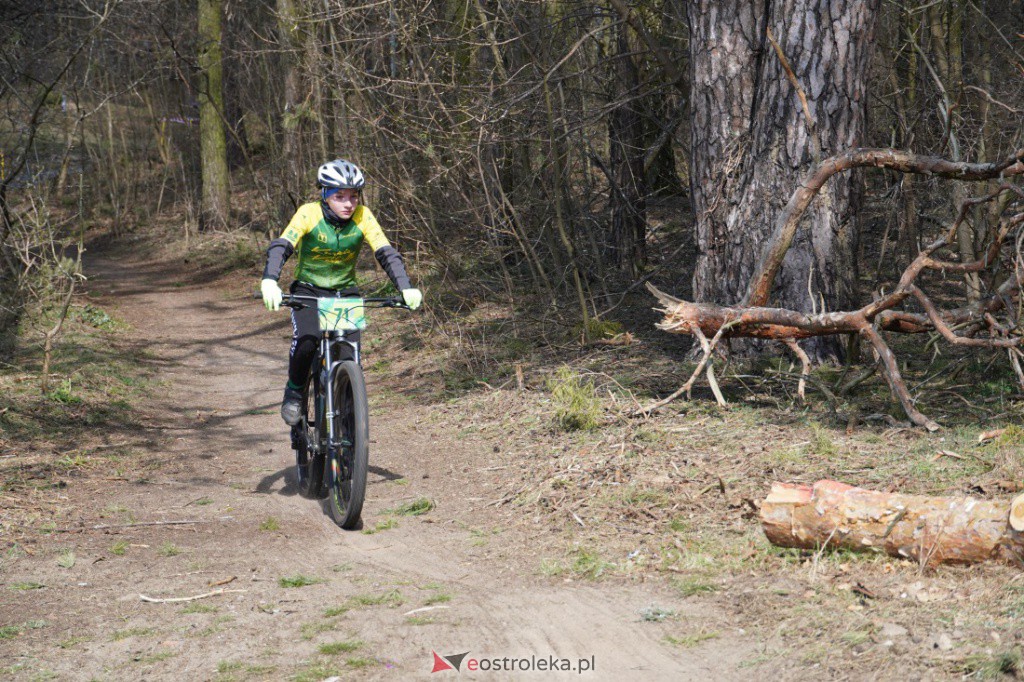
[
  {"x": 412, "y": 297},
  {"x": 271, "y": 294}
]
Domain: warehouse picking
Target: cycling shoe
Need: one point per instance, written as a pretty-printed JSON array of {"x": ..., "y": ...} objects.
[{"x": 291, "y": 407}]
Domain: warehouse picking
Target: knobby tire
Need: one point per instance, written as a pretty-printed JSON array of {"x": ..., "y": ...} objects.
[{"x": 347, "y": 464}]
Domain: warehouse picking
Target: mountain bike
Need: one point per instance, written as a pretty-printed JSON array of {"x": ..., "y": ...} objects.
[{"x": 331, "y": 442}]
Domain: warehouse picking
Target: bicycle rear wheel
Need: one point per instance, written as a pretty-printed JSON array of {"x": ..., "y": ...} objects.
[
  {"x": 309, "y": 445},
  {"x": 349, "y": 460}
]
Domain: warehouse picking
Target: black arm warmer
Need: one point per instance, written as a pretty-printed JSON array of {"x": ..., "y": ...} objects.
[
  {"x": 277, "y": 253},
  {"x": 391, "y": 261}
]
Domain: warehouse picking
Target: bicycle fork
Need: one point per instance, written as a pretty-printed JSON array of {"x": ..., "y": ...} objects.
[
  {"x": 328, "y": 366},
  {"x": 329, "y": 410}
]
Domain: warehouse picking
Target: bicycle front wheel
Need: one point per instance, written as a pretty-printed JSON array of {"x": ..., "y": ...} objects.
[{"x": 348, "y": 459}]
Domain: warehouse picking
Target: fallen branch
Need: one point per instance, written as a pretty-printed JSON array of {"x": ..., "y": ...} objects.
[
  {"x": 176, "y": 600},
  {"x": 705, "y": 361},
  {"x": 424, "y": 608},
  {"x": 111, "y": 526},
  {"x": 225, "y": 581},
  {"x": 991, "y": 435},
  {"x": 788, "y": 221},
  {"x": 931, "y": 530},
  {"x": 805, "y": 363},
  {"x": 961, "y": 327}
]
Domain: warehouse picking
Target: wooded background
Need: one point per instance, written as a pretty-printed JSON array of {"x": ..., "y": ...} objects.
[{"x": 564, "y": 151}]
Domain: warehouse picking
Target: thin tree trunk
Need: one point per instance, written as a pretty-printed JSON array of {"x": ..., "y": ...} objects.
[
  {"x": 945, "y": 21},
  {"x": 988, "y": 144},
  {"x": 237, "y": 141},
  {"x": 289, "y": 38},
  {"x": 212, "y": 140},
  {"x": 557, "y": 174},
  {"x": 626, "y": 243},
  {"x": 909, "y": 225}
]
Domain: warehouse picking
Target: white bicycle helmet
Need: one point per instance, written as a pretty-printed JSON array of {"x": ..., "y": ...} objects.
[{"x": 340, "y": 174}]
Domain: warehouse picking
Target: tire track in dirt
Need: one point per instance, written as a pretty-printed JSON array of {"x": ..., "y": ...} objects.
[{"x": 214, "y": 416}]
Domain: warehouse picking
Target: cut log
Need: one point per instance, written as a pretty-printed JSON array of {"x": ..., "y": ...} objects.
[
  {"x": 930, "y": 530},
  {"x": 1017, "y": 513}
]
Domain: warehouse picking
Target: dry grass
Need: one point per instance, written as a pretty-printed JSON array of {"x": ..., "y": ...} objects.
[
  {"x": 83, "y": 428},
  {"x": 676, "y": 495}
]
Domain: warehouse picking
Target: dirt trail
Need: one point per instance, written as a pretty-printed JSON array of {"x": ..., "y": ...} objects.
[{"x": 217, "y": 452}]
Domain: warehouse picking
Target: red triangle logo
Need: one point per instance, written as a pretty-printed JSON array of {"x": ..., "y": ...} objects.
[{"x": 440, "y": 664}]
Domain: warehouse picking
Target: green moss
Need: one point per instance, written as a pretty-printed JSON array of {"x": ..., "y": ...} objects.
[
  {"x": 118, "y": 635},
  {"x": 26, "y": 585},
  {"x": 168, "y": 549},
  {"x": 602, "y": 329},
  {"x": 316, "y": 673},
  {"x": 691, "y": 640},
  {"x": 359, "y": 662}
]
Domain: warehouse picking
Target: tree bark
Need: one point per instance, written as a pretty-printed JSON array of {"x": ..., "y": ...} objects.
[
  {"x": 930, "y": 530},
  {"x": 726, "y": 45},
  {"x": 763, "y": 114},
  {"x": 212, "y": 139}
]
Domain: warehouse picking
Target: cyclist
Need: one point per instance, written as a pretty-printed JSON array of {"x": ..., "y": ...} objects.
[{"x": 328, "y": 236}]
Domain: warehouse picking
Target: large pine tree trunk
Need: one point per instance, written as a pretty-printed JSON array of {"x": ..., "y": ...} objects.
[
  {"x": 726, "y": 44},
  {"x": 212, "y": 140},
  {"x": 753, "y": 142}
]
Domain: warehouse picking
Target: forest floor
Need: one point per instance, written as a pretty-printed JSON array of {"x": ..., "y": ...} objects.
[{"x": 159, "y": 466}]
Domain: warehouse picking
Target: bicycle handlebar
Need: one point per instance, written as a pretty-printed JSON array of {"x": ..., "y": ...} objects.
[{"x": 296, "y": 301}]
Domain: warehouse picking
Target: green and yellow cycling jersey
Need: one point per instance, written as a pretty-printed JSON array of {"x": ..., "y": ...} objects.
[{"x": 328, "y": 254}]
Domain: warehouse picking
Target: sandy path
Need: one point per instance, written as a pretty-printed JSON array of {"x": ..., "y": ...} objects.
[{"x": 219, "y": 454}]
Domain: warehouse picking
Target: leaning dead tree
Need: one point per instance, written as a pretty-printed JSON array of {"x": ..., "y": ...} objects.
[{"x": 978, "y": 324}]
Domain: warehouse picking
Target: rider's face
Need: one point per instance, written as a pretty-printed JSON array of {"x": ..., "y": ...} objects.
[{"x": 344, "y": 202}]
